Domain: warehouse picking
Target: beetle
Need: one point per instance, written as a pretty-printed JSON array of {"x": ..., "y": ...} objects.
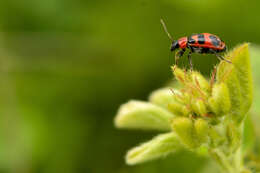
[{"x": 203, "y": 43}]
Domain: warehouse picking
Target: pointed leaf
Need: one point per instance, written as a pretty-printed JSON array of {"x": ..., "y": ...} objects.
[
  {"x": 158, "y": 147},
  {"x": 242, "y": 65},
  {"x": 162, "y": 97},
  {"x": 226, "y": 74},
  {"x": 238, "y": 78},
  {"x": 255, "y": 51},
  {"x": 143, "y": 115}
]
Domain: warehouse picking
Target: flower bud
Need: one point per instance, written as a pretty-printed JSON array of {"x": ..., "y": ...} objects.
[
  {"x": 202, "y": 130},
  {"x": 186, "y": 97},
  {"x": 180, "y": 75},
  {"x": 183, "y": 126},
  {"x": 199, "y": 107},
  {"x": 200, "y": 81},
  {"x": 178, "y": 109},
  {"x": 219, "y": 102}
]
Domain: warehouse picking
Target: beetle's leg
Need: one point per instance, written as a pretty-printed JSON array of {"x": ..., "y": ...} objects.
[
  {"x": 178, "y": 55},
  {"x": 218, "y": 57},
  {"x": 222, "y": 58},
  {"x": 190, "y": 60},
  {"x": 226, "y": 60}
]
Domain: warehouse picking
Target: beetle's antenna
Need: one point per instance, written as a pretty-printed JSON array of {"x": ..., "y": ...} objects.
[{"x": 165, "y": 29}]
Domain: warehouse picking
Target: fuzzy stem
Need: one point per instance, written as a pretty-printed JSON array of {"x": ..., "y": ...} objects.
[
  {"x": 230, "y": 163},
  {"x": 222, "y": 160}
]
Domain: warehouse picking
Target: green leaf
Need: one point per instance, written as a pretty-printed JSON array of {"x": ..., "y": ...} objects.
[
  {"x": 238, "y": 78},
  {"x": 241, "y": 61},
  {"x": 251, "y": 126},
  {"x": 226, "y": 73},
  {"x": 255, "y": 54},
  {"x": 173, "y": 100},
  {"x": 158, "y": 147},
  {"x": 162, "y": 97},
  {"x": 248, "y": 135},
  {"x": 143, "y": 115}
]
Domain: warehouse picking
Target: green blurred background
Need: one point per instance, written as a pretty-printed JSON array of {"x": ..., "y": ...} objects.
[{"x": 67, "y": 65}]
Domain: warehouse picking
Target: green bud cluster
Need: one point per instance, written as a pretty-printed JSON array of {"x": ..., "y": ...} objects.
[
  {"x": 191, "y": 132},
  {"x": 202, "y": 112},
  {"x": 198, "y": 98}
]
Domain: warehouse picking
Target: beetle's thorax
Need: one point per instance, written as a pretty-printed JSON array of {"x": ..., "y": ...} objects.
[
  {"x": 180, "y": 43},
  {"x": 183, "y": 42}
]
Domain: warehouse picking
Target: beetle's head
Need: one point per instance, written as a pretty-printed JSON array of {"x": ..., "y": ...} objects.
[{"x": 175, "y": 45}]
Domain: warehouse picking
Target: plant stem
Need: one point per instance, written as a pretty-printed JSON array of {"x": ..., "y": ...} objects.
[
  {"x": 221, "y": 159},
  {"x": 229, "y": 163}
]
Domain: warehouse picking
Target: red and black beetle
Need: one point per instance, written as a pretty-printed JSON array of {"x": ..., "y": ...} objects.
[{"x": 203, "y": 43}]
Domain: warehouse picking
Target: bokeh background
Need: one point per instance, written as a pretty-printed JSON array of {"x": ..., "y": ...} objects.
[{"x": 67, "y": 65}]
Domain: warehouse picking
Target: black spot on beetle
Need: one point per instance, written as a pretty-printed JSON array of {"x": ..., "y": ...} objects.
[
  {"x": 191, "y": 40},
  {"x": 214, "y": 40},
  {"x": 201, "y": 39}
]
